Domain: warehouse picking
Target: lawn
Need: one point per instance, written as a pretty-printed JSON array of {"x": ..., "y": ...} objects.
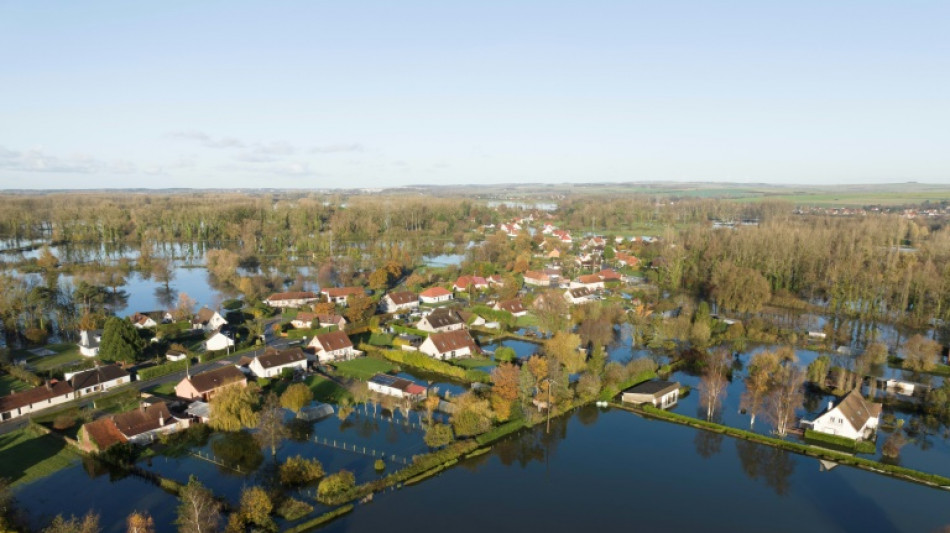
[
  {"x": 10, "y": 384},
  {"x": 326, "y": 391},
  {"x": 526, "y": 321},
  {"x": 362, "y": 368},
  {"x": 473, "y": 362},
  {"x": 65, "y": 353},
  {"x": 167, "y": 389},
  {"x": 25, "y": 456}
]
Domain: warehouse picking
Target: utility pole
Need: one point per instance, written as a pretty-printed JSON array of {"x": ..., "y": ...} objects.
[{"x": 550, "y": 381}]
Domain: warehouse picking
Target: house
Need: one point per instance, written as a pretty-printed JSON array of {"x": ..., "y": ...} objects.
[
  {"x": 399, "y": 301},
  {"x": 273, "y": 362},
  {"x": 291, "y": 299},
  {"x": 553, "y": 254},
  {"x": 397, "y": 387},
  {"x": 608, "y": 274},
  {"x": 538, "y": 279},
  {"x": 449, "y": 344},
  {"x": 203, "y": 386},
  {"x": 471, "y": 319},
  {"x": 218, "y": 341},
  {"x": 139, "y": 426},
  {"x": 441, "y": 319},
  {"x": 464, "y": 283},
  {"x": 99, "y": 435},
  {"x": 325, "y": 321},
  {"x": 661, "y": 394},
  {"x": 142, "y": 321},
  {"x": 589, "y": 281},
  {"x": 625, "y": 259},
  {"x": 580, "y": 295},
  {"x": 303, "y": 320},
  {"x": 435, "y": 295},
  {"x": 853, "y": 417},
  {"x": 513, "y": 306},
  {"x": 333, "y": 346},
  {"x": 563, "y": 236},
  {"x": 99, "y": 379},
  {"x": 208, "y": 320},
  {"x": 175, "y": 355},
  {"x": 89, "y": 342},
  {"x": 340, "y": 295},
  {"x": 496, "y": 280},
  {"x": 25, "y": 402}
]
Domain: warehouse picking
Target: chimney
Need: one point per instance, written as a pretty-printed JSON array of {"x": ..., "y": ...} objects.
[
  {"x": 161, "y": 419},
  {"x": 831, "y": 405}
]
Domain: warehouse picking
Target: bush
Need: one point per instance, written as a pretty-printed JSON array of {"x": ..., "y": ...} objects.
[
  {"x": 438, "y": 435},
  {"x": 424, "y": 362},
  {"x": 292, "y": 509},
  {"x": 296, "y": 471},
  {"x": 379, "y": 465},
  {"x": 62, "y": 422},
  {"x": 840, "y": 442},
  {"x": 335, "y": 485},
  {"x": 505, "y": 353},
  {"x": 162, "y": 369}
]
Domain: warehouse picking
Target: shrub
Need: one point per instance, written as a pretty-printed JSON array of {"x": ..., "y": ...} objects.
[
  {"x": 299, "y": 471},
  {"x": 292, "y": 509},
  {"x": 334, "y": 485},
  {"x": 379, "y": 465},
  {"x": 505, "y": 353},
  {"x": 64, "y": 422},
  {"x": 162, "y": 369},
  {"x": 438, "y": 435}
]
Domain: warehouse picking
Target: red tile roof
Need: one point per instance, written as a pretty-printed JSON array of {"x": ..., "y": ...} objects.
[{"x": 435, "y": 292}]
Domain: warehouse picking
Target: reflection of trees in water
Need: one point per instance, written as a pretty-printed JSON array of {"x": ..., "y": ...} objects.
[
  {"x": 773, "y": 465},
  {"x": 118, "y": 300},
  {"x": 588, "y": 415},
  {"x": 367, "y": 427},
  {"x": 237, "y": 450},
  {"x": 166, "y": 297},
  {"x": 708, "y": 443},
  {"x": 300, "y": 430},
  {"x": 813, "y": 400},
  {"x": 532, "y": 445},
  {"x": 392, "y": 433}
]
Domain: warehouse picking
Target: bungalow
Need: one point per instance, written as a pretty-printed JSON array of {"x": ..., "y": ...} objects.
[
  {"x": 325, "y": 321},
  {"x": 514, "y": 306},
  {"x": 291, "y": 299},
  {"x": 661, "y": 394},
  {"x": 435, "y": 295},
  {"x": 539, "y": 279},
  {"x": 303, "y": 320},
  {"x": 89, "y": 342},
  {"x": 204, "y": 385},
  {"x": 174, "y": 354},
  {"x": 218, "y": 341},
  {"x": 208, "y": 320},
  {"x": 464, "y": 283},
  {"x": 273, "y": 362},
  {"x": 449, "y": 344},
  {"x": 853, "y": 418},
  {"x": 23, "y": 403},
  {"x": 99, "y": 379},
  {"x": 441, "y": 319},
  {"x": 580, "y": 295},
  {"x": 333, "y": 346},
  {"x": 399, "y": 301},
  {"x": 589, "y": 281},
  {"x": 139, "y": 426},
  {"x": 340, "y": 295},
  {"x": 397, "y": 387},
  {"x": 142, "y": 321}
]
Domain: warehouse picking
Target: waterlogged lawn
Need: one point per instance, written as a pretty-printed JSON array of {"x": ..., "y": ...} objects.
[
  {"x": 363, "y": 368},
  {"x": 25, "y": 456}
]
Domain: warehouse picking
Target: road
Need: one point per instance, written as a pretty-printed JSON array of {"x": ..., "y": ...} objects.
[{"x": 86, "y": 401}]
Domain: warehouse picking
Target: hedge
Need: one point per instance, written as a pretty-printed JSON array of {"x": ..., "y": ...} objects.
[
  {"x": 320, "y": 520},
  {"x": 500, "y": 431},
  {"x": 162, "y": 369},
  {"x": 424, "y": 362},
  {"x": 840, "y": 442},
  {"x": 408, "y": 331}
]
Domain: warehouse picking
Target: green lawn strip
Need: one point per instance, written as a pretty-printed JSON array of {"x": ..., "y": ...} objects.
[
  {"x": 65, "y": 353},
  {"x": 526, "y": 321},
  {"x": 320, "y": 520},
  {"x": 362, "y": 368},
  {"x": 26, "y": 456},
  {"x": 802, "y": 449},
  {"x": 326, "y": 390},
  {"x": 473, "y": 362},
  {"x": 10, "y": 384},
  {"x": 167, "y": 389}
]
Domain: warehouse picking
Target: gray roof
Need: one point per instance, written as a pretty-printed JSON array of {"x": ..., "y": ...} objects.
[{"x": 654, "y": 388}]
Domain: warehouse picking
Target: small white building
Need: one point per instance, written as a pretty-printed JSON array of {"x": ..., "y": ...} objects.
[
  {"x": 580, "y": 295},
  {"x": 852, "y": 417},
  {"x": 89, "y": 342},
  {"x": 208, "y": 320},
  {"x": 514, "y": 306},
  {"x": 175, "y": 355},
  {"x": 142, "y": 321},
  {"x": 449, "y": 345},
  {"x": 273, "y": 362},
  {"x": 218, "y": 341},
  {"x": 399, "y": 301},
  {"x": 291, "y": 299},
  {"x": 333, "y": 346},
  {"x": 396, "y": 387},
  {"x": 341, "y": 295},
  {"x": 661, "y": 394},
  {"x": 435, "y": 295}
]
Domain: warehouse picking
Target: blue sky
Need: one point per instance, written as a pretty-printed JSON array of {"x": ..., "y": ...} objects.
[{"x": 373, "y": 94}]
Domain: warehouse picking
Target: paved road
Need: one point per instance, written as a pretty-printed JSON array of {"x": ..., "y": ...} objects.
[{"x": 87, "y": 401}]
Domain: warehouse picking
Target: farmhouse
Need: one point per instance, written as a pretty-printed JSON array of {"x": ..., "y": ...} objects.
[
  {"x": 291, "y": 299},
  {"x": 272, "y": 363},
  {"x": 661, "y": 394},
  {"x": 341, "y": 295},
  {"x": 99, "y": 379},
  {"x": 204, "y": 385},
  {"x": 303, "y": 320},
  {"x": 853, "y": 418},
  {"x": 330, "y": 320},
  {"x": 435, "y": 295},
  {"x": 449, "y": 345},
  {"x": 31, "y": 400},
  {"x": 399, "y": 301},
  {"x": 139, "y": 426},
  {"x": 538, "y": 279},
  {"x": 397, "y": 387},
  {"x": 333, "y": 346},
  {"x": 590, "y": 281},
  {"x": 441, "y": 319}
]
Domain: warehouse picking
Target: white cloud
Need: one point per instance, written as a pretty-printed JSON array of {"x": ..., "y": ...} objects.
[{"x": 37, "y": 160}]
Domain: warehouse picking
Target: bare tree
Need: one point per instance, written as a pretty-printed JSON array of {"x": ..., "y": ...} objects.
[
  {"x": 786, "y": 395},
  {"x": 198, "y": 510},
  {"x": 270, "y": 426},
  {"x": 712, "y": 387},
  {"x": 757, "y": 383}
]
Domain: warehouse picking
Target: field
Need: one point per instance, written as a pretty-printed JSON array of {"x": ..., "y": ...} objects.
[
  {"x": 65, "y": 353},
  {"x": 9, "y": 384},
  {"x": 25, "y": 456},
  {"x": 362, "y": 368}
]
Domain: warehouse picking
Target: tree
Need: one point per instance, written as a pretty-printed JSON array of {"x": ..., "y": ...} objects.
[
  {"x": 163, "y": 272},
  {"x": 505, "y": 353},
  {"x": 563, "y": 348},
  {"x": 760, "y": 369},
  {"x": 551, "y": 309},
  {"x": 526, "y": 386},
  {"x": 785, "y": 397},
  {"x": 256, "y": 507},
  {"x": 140, "y": 523},
  {"x": 296, "y": 397},
  {"x": 358, "y": 307},
  {"x": 185, "y": 307},
  {"x": 817, "y": 371},
  {"x": 232, "y": 408},
  {"x": 438, "y": 435},
  {"x": 920, "y": 354},
  {"x": 431, "y": 403},
  {"x": 87, "y": 524},
  {"x": 344, "y": 409},
  {"x": 198, "y": 510},
  {"x": 504, "y": 389},
  {"x": 270, "y": 425},
  {"x": 472, "y": 416},
  {"x": 712, "y": 386},
  {"x": 296, "y": 471},
  {"x": 588, "y": 386},
  {"x": 120, "y": 341},
  {"x": 875, "y": 353},
  {"x": 324, "y": 308},
  {"x": 335, "y": 485}
]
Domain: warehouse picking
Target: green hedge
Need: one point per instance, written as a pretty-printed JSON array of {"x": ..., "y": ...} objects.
[
  {"x": 500, "y": 431},
  {"x": 320, "y": 520},
  {"x": 162, "y": 370},
  {"x": 424, "y": 362},
  {"x": 409, "y": 331}
]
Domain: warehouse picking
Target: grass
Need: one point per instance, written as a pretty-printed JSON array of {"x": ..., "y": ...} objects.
[
  {"x": 26, "y": 456},
  {"x": 526, "y": 321},
  {"x": 363, "y": 368},
  {"x": 837, "y": 441},
  {"x": 168, "y": 389},
  {"x": 473, "y": 362},
  {"x": 325, "y": 390},
  {"x": 10, "y": 384},
  {"x": 65, "y": 353}
]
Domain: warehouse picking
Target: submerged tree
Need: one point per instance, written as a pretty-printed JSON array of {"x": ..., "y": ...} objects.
[
  {"x": 198, "y": 510},
  {"x": 140, "y": 523},
  {"x": 270, "y": 426},
  {"x": 712, "y": 386},
  {"x": 785, "y": 397},
  {"x": 760, "y": 370}
]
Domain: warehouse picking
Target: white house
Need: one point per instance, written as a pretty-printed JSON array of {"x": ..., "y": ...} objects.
[
  {"x": 661, "y": 394},
  {"x": 99, "y": 379},
  {"x": 273, "y": 362},
  {"x": 218, "y": 341},
  {"x": 589, "y": 281},
  {"x": 435, "y": 295},
  {"x": 31, "y": 400},
  {"x": 538, "y": 279},
  {"x": 142, "y": 321},
  {"x": 89, "y": 342},
  {"x": 342, "y": 294},
  {"x": 208, "y": 320},
  {"x": 291, "y": 299},
  {"x": 514, "y": 306},
  {"x": 579, "y": 295},
  {"x": 333, "y": 346},
  {"x": 397, "y": 387},
  {"x": 441, "y": 319},
  {"x": 330, "y": 320},
  {"x": 175, "y": 355},
  {"x": 853, "y": 418},
  {"x": 399, "y": 301},
  {"x": 449, "y": 345}
]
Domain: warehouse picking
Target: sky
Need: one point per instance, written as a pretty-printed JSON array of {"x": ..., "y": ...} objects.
[{"x": 321, "y": 94}]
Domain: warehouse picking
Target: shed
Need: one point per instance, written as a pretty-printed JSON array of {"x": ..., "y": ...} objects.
[{"x": 661, "y": 394}]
